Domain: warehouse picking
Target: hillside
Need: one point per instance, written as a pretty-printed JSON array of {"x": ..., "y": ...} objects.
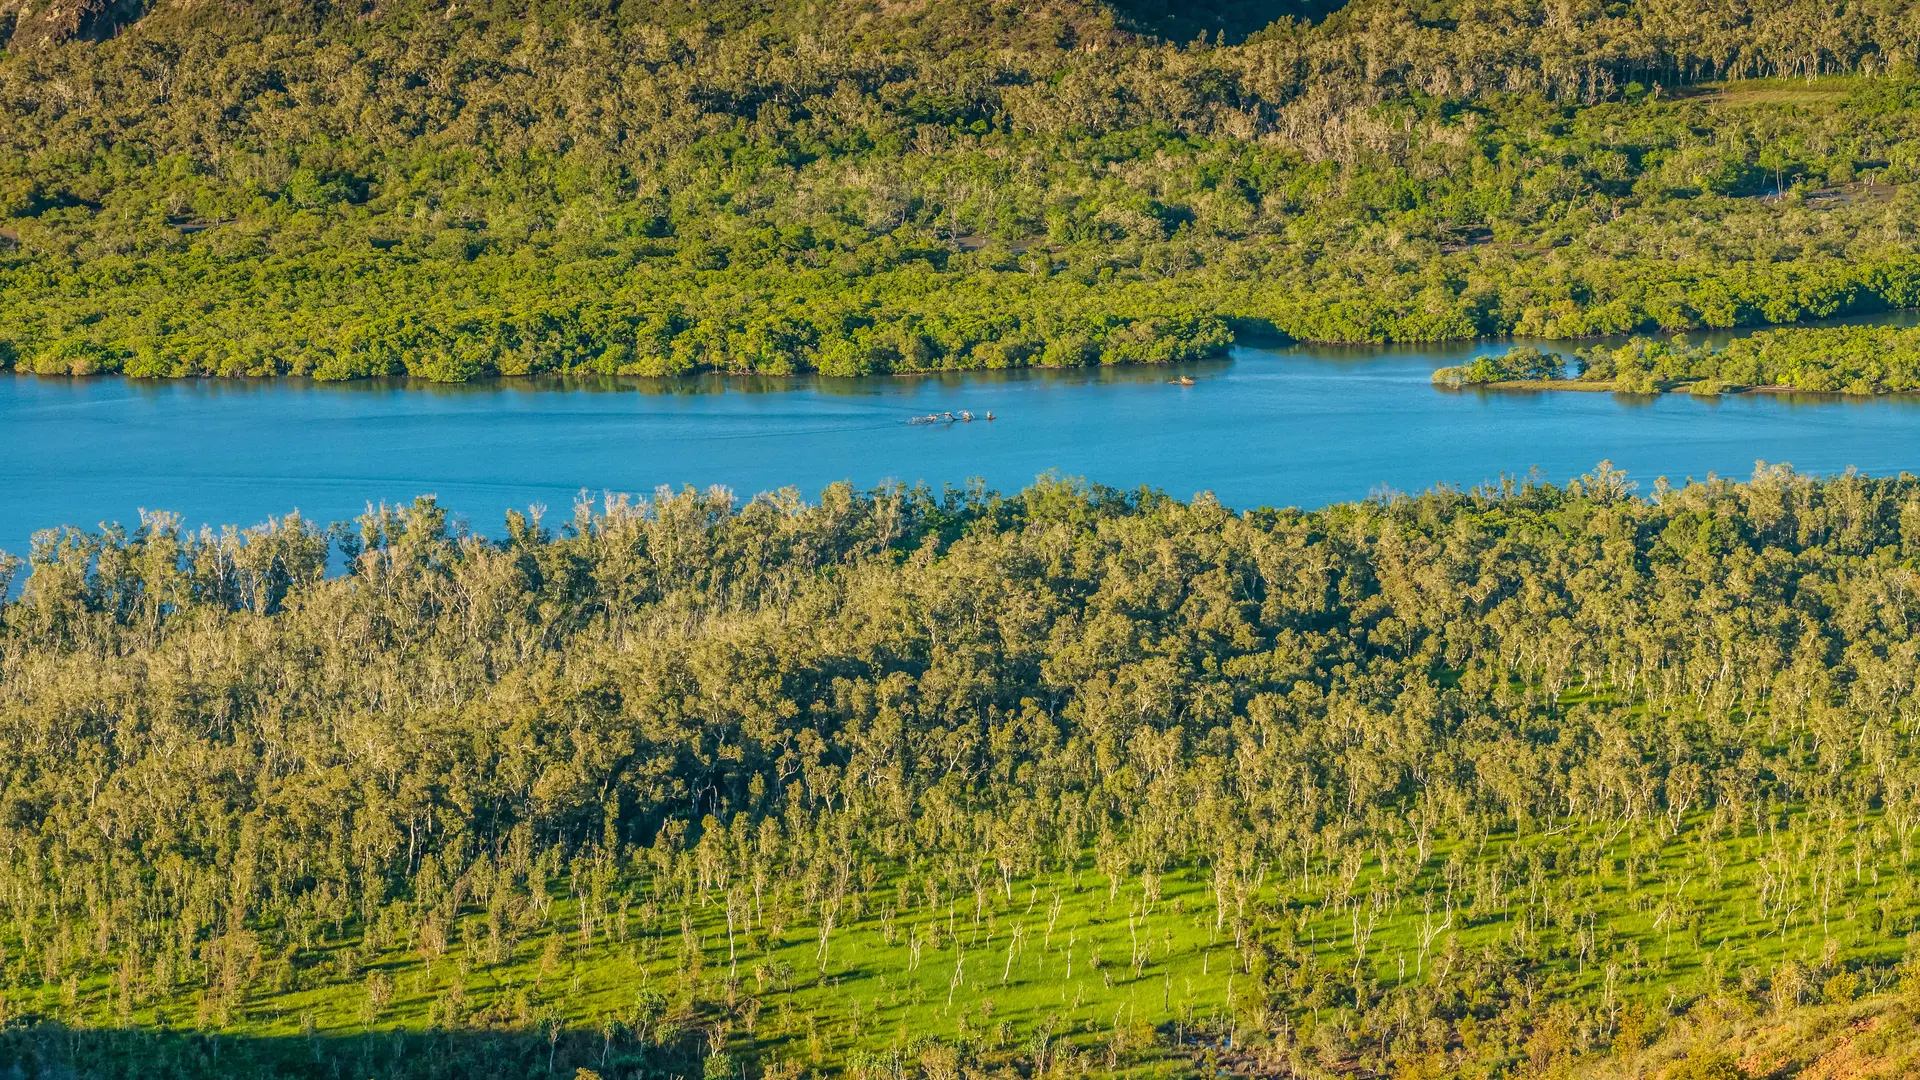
[
  {"x": 459, "y": 190},
  {"x": 1527, "y": 783}
]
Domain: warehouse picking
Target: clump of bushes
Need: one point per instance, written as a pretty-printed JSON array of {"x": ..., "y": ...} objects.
[{"x": 1522, "y": 363}]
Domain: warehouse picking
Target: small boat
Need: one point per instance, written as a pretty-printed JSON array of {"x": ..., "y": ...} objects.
[
  {"x": 947, "y": 418},
  {"x": 1184, "y": 380}
]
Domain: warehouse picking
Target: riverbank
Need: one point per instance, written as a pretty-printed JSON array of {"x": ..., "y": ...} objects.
[
  {"x": 1846, "y": 361},
  {"x": 1616, "y": 386}
]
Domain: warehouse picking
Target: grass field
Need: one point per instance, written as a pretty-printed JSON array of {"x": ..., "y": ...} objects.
[{"x": 1019, "y": 968}]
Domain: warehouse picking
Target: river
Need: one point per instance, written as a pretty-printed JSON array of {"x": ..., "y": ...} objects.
[{"x": 1295, "y": 426}]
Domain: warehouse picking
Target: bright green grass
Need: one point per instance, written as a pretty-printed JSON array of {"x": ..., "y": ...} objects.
[{"x": 1635, "y": 915}]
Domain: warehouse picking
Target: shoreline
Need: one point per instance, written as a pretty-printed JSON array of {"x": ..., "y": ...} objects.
[
  {"x": 1613, "y": 387},
  {"x": 1254, "y": 339}
]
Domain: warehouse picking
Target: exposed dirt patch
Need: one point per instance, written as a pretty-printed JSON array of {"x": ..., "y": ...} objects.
[
  {"x": 68, "y": 20},
  {"x": 1874, "y": 1039},
  {"x": 1844, "y": 1061}
]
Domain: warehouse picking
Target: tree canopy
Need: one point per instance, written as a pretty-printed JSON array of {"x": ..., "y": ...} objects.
[
  {"x": 1483, "y": 783},
  {"x": 1859, "y": 361},
  {"x": 473, "y": 189}
]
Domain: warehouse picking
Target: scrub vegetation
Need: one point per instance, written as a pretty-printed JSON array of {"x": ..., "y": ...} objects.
[
  {"x": 1534, "y": 781},
  {"x": 1859, "y": 361},
  {"x": 454, "y": 190}
]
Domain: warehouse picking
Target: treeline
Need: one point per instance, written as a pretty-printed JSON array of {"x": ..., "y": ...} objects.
[
  {"x": 1855, "y": 360},
  {"x": 781, "y": 188},
  {"x": 1477, "y": 783}
]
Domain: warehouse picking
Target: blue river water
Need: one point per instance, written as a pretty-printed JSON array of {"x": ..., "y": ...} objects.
[{"x": 1295, "y": 426}]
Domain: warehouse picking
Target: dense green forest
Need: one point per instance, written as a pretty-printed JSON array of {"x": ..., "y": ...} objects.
[
  {"x": 1858, "y": 361},
  {"x": 1529, "y": 781},
  {"x": 462, "y": 188}
]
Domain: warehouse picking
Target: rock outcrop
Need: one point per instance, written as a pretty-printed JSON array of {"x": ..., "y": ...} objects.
[{"x": 27, "y": 25}]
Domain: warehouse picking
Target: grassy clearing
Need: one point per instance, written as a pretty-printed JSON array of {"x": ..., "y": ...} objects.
[{"x": 1831, "y": 90}]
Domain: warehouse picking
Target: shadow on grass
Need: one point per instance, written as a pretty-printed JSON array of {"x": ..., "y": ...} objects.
[{"x": 50, "y": 1051}]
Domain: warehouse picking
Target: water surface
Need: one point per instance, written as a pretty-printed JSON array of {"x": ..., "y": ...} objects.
[{"x": 1298, "y": 426}]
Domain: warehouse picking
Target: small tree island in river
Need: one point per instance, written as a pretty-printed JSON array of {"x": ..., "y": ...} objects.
[{"x": 1858, "y": 361}]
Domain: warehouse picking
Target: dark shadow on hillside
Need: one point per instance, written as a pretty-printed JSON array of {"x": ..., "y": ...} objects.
[
  {"x": 48, "y": 1051},
  {"x": 1184, "y": 20}
]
